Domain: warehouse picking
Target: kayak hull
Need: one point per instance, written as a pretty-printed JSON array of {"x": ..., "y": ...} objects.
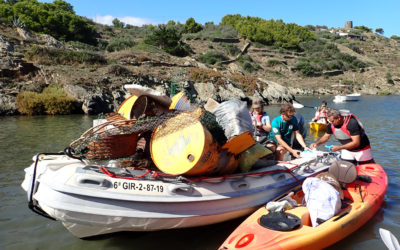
[
  {"x": 318, "y": 126},
  {"x": 251, "y": 235}
]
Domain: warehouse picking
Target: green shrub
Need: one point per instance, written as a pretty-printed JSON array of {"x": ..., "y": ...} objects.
[
  {"x": 389, "y": 78},
  {"x": 307, "y": 69},
  {"x": 120, "y": 43},
  {"x": 248, "y": 64},
  {"x": 47, "y": 55},
  {"x": 211, "y": 31},
  {"x": 273, "y": 62},
  {"x": 396, "y": 38},
  {"x": 231, "y": 49},
  {"x": 385, "y": 92},
  {"x": 205, "y": 75},
  {"x": 119, "y": 70},
  {"x": 52, "y": 101},
  {"x": 363, "y": 28},
  {"x": 212, "y": 57},
  {"x": 83, "y": 46},
  {"x": 147, "y": 48},
  {"x": 168, "y": 39},
  {"x": 355, "y": 48}
]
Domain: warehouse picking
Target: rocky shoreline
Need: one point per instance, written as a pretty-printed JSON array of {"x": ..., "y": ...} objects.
[{"x": 100, "y": 88}]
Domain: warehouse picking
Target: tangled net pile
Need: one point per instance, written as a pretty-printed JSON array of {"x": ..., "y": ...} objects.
[{"x": 117, "y": 137}]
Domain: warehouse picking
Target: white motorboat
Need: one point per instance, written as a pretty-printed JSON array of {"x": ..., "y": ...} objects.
[
  {"x": 93, "y": 199},
  {"x": 347, "y": 98}
]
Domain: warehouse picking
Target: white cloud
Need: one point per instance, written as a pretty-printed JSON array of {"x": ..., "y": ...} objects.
[{"x": 135, "y": 21}]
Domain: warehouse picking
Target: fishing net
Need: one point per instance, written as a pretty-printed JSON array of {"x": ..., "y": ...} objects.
[{"x": 117, "y": 137}]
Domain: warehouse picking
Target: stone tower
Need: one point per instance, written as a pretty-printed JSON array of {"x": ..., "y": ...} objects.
[{"x": 348, "y": 25}]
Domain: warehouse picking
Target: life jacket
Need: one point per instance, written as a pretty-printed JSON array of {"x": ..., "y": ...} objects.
[
  {"x": 258, "y": 119},
  {"x": 259, "y": 133},
  {"x": 343, "y": 134},
  {"x": 325, "y": 115}
]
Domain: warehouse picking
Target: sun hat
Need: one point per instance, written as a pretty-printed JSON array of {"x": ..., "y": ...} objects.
[
  {"x": 331, "y": 179},
  {"x": 256, "y": 104}
]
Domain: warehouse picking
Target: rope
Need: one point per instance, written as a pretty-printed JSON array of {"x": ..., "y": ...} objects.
[{"x": 156, "y": 175}]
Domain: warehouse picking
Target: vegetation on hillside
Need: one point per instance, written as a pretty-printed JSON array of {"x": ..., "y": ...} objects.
[
  {"x": 52, "y": 101},
  {"x": 277, "y": 49},
  {"x": 57, "y": 19},
  {"x": 269, "y": 32}
]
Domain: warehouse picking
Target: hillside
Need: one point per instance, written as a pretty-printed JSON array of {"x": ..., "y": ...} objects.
[{"x": 30, "y": 62}]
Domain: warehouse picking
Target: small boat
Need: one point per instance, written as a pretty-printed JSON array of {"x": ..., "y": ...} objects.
[
  {"x": 98, "y": 198},
  {"x": 318, "y": 126},
  {"x": 347, "y": 98},
  {"x": 362, "y": 199}
]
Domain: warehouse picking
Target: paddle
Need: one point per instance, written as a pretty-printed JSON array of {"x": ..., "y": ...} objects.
[
  {"x": 299, "y": 105},
  {"x": 389, "y": 239}
]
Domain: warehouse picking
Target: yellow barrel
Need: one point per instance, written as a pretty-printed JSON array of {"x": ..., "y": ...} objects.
[
  {"x": 180, "y": 102},
  {"x": 183, "y": 146},
  {"x": 126, "y": 106}
]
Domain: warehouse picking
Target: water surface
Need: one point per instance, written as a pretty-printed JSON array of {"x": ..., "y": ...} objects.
[{"x": 22, "y": 137}]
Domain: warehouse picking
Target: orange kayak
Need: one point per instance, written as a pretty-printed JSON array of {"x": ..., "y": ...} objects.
[
  {"x": 318, "y": 126},
  {"x": 362, "y": 200}
]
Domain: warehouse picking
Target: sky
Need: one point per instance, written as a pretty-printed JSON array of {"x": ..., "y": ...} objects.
[{"x": 333, "y": 14}]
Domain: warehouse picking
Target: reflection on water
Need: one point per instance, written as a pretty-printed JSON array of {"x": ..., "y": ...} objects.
[{"x": 22, "y": 137}]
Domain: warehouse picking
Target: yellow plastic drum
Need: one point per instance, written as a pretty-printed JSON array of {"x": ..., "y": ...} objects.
[
  {"x": 126, "y": 106},
  {"x": 180, "y": 102},
  {"x": 183, "y": 146}
]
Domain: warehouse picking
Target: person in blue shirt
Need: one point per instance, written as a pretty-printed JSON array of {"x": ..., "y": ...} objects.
[{"x": 283, "y": 127}]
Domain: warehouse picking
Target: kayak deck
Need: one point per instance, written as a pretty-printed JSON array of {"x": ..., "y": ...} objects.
[{"x": 362, "y": 200}]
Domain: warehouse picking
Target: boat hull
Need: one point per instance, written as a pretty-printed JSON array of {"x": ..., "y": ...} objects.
[
  {"x": 347, "y": 98},
  {"x": 251, "y": 235},
  {"x": 89, "y": 202}
]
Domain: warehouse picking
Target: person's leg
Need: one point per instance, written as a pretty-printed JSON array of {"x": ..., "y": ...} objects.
[{"x": 280, "y": 152}]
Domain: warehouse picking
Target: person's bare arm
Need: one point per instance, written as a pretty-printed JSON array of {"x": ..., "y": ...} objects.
[
  {"x": 300, "y": 139},
  {"x": 321, "y": 140},
  {"x": 286, "y": 146}
]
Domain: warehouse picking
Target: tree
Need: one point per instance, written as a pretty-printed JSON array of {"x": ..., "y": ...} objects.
[
  {"x": 192, "y": 27},
  {"x": 394, "y": 37},
  {"x": 379, "y": 31},
  {"x": 57, "y": 19},
  {"x": 269, "y": 32},
  {"x": 363, "y": 28},
  {"x": 117, "y": 23},
  {"x": 167, "y": 38}
]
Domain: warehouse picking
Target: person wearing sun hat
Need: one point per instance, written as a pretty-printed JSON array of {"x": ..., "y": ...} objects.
[{"x": 261, "y": 123}]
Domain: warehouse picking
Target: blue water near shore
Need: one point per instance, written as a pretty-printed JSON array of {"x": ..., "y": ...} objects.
[{"x": 22, "y": 137}]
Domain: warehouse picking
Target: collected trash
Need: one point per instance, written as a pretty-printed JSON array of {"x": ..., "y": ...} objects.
[{"x": 322, "y": 200}]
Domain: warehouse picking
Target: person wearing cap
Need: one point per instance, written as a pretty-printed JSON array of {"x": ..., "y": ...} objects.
[
  {"x": 321, "y": 115},
  {"x": 261, "y": 123},
  {"x": 349, "y": 131},
  {"x": 283, "y": 127}
]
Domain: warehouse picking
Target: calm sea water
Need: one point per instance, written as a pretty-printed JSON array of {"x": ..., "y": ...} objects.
[{"x": 22, "y": 137}]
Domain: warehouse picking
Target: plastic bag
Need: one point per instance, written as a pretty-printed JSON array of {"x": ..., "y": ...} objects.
[
  {"x": 322, "y": 200},
  {"x": 251, "y": 156},
  {"x": 234, "y": 117}
]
